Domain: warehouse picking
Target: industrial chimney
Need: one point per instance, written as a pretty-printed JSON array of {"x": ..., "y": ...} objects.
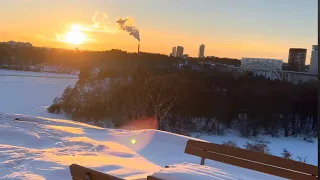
[{"x": 138, "y": 48}]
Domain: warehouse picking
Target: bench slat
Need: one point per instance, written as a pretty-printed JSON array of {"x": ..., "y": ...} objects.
[
  {"x": 254, "y": 156},
  {"x": 249, "y": 165},
  {"x": 79, "y": 173}
]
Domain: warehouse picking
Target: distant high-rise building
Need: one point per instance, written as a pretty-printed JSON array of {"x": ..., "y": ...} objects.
[
  {"x": 314, "y": 60},
  {"x": 297, "y": 59},
  {"x": 201, "y": 51},
  {"x": 179, "y": 52},
  {"x": 174, "y": 51}
]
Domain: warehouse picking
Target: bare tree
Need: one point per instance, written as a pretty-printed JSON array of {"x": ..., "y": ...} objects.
[
  {"x": 126, "y": 102},
  {"x": 286, "y": 154},
  {"x": 164, "y": 93},
  {"x": 302, "y": 159},
  {"x": 139, "y": 100}
]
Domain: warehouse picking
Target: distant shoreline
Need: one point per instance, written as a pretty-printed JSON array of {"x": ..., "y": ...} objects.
[
  {"x": 26, "y": 70},
  {"x": 44, "y": 74},
  {"x": 39, "y": 76}
]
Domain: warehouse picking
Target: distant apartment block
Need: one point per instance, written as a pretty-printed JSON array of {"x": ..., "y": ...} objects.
[
  {"x": 297, "y": 59},
  {"x": 201, "y": 51},
  {"x": 179, "y": 52},
  {"x": 314, "y": 60},
  {"x": 174, "y": 51}
]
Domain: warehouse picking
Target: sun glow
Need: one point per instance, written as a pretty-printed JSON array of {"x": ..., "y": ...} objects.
[{"x": 75, "y": 36}]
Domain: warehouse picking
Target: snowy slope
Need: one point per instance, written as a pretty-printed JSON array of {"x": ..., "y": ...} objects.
[{"x": 40, "y": 148}]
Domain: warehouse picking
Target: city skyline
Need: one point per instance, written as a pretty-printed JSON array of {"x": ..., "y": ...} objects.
[{"x": 228, "y": 28}]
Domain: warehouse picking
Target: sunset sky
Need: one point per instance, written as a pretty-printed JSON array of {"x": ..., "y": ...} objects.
[{"x": 228, "y": 28}]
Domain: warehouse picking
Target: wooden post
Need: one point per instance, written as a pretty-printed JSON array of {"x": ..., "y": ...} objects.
[{"x": 202, "y": 161}]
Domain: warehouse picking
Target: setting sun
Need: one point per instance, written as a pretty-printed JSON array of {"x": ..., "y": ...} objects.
[{"x": 75, "y": 36}]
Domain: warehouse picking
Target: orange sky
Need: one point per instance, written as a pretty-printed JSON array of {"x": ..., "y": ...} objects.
[
  {"x": 232, "y": 35},
  {"x": 161, "y": 42}
]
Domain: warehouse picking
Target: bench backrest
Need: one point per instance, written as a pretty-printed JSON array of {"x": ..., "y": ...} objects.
[
  {"x": 152, "y": 178},
  {"x": 83, "y": 173},
  {"x": 252, "y": 160}
]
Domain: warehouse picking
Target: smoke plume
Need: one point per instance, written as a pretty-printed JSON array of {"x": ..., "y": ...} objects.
[
  {"x": 125, "y": 25},
  {"x": 99, "y": 19},
  {"x": 100, "y": 23}
]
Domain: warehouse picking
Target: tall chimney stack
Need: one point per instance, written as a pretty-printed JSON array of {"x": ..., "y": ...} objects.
[{"x": 138, "y": 48}]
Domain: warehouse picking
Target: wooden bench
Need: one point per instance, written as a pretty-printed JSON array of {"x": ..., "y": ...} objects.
[
  {"x": 234, "y": 156},
  {"x": 83, "y": 173},
  {"x": 252, "y": 160}
]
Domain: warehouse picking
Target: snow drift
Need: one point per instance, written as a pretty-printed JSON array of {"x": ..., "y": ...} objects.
[{"x": 41, "y": 148}]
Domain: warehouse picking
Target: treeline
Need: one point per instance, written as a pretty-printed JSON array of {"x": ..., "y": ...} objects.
[
  {"x": 188, "y": 97},
  {"x": 23, "y": 57},
  {"x": 12, "y": 57}
]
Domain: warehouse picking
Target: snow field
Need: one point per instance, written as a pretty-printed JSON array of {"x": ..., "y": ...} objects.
[{"x": 43, "y": 148}]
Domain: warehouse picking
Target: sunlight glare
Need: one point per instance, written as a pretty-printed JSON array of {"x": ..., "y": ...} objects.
[
  {"x": 75, "y": 36},
  {"x": 76, "y": 27}
]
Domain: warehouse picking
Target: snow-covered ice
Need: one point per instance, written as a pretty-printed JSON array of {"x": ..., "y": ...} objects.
[
  {"x": 42, "y": 148},
  {"x": 30, "y": 93}
]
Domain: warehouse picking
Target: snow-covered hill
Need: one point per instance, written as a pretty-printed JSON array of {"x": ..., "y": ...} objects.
[{"x": 41, "y": 148}]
